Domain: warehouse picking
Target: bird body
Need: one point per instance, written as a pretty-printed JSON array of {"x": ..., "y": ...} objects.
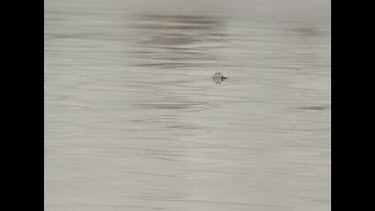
[{"x": 218, "y": 77}]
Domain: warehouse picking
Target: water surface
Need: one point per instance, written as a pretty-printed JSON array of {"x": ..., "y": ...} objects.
[{"x": 134, "y": 122}]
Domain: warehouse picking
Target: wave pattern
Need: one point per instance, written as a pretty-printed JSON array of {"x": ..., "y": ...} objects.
[{"x": 133, "y": 121}]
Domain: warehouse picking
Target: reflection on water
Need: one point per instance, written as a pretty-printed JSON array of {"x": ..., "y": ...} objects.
[
  {"x": 135, "y": 122},
  {"x": 177, "y": 41}
]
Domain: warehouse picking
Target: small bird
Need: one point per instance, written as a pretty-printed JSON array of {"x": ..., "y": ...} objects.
[{"x": 218, "y": 77}]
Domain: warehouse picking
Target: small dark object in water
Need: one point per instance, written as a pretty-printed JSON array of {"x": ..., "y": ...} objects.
[{"x": 218, "y": 78}]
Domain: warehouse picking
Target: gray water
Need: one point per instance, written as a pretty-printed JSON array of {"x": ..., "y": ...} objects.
[{"x": 133, "y": 120}]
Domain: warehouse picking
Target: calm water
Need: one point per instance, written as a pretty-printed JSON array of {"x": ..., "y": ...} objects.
[{"x": 134, "y": 122}]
